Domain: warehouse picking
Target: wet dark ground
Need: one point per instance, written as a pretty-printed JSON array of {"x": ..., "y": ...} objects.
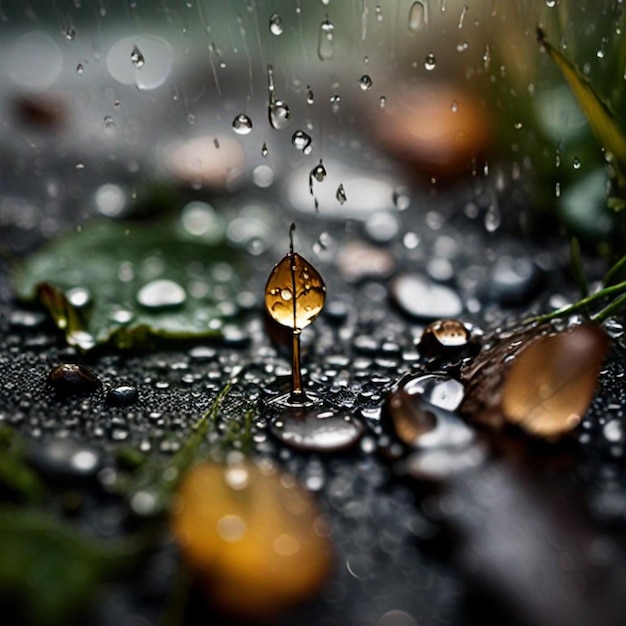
[{"x": 401, "y": 545}]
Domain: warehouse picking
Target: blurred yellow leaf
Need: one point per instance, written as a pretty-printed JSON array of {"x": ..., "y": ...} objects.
[
  {"x": 552, "y": 381},
  {"x": 253, "y": 536}
]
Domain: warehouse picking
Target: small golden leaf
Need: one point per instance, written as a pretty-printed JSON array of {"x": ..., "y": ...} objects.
[
  {"x": 552, "y": 381},
  {"x": 295, "y": 292},
  {"x": 253, "y": 536}
]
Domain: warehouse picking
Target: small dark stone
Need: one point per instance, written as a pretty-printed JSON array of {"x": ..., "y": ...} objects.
[
  {"x": 444, "y": 338},
  {"x": 124, "y": 395},
  {"x": 69, "y": 379}
]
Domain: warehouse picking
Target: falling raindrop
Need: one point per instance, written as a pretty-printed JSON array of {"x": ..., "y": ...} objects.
[
  {"x": 418, "y": 16},
  {"x": 341, "y": 195},
  {"x": 276, "y": 25},
  {"x": 462, "y": 16},
  {"x": 80, "y": 69},
  {"x": 576, "y": 163},
  {"x": 379, "y": 13},
  {"x": 326, "y": 42},
  {"x": 264, "y": 150},
  {"x": 301, "y": 141},
  {"x": 430, "y": 63},
  {"x": 278, "y": 113},
  {"x": 319, "y": 172},
  {"x": 137, "y": 58},
  {"x": 310, "y": 98},
  {"x": 365, "y": 82},
  {"x": 242, "y": 124}
]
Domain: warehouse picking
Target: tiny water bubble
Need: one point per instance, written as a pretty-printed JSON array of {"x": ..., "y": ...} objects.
[
  {"x": 276, "y": 25},
  {"x": 576, "y": 164},
  {"x": 383, "y": 102},
  {"x": 430, "y": 62},
  {"x": 341, "y": 195},
  {"x": 301, "y": 141},
  {"x": 264, "y": 150},
  {"x": 365, "y": 82},
  {"x": 310, "y": 98},
  {"x": 242, "y": 124},
  {"x": 319, "y": 172},
  {"x": 137, "y": 58},
  {"x": 80, "y": 69}
]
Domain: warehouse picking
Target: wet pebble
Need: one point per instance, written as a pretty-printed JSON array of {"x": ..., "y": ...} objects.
[
  {"x": 123, "y": 395},
  {"x": 444, "y": 338},
  {"x": 423, "y": 299},
  {"x": 514, "y": 280},
  {"x": 69, "y": 379},
  {"x": 65, "y": 460},
  {"x": 317, "y": 429}
]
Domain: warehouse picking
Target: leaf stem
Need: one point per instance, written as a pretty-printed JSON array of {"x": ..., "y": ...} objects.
[
  {"x": 583, "y": 304},
  {"x": 611, "y": 309}
]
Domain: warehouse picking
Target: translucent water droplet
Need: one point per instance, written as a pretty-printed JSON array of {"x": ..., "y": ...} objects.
[
  {"x": 365, "y": 82},
  {"x": 326, "y": 41},
  {"x": 341, "y": 195},
  {"x": 278, "y": 113},
  {"x": 454, "y": 106},
  {"x": 462, "y": 16},
  {"x": 276, "y": 25},
  {"x": 318, "y": 430},
  {"x": 264, "y": 150},
  {"x": 335, "y": 101},
  {"x": 242, "y": 124},
  {"x": 137, "y": 58},
  {"x": 161, "y": 293},
  {"x": 110, "y": 130},
  {"x": 69, "y": 33},
  {"x": 551, "y": 3},
  {"x": 487, "y": 56},
  {"x": 310, "y": 98},
  {"x": 379, "y": 13},
  {"x": 418, "y": 17},
  {"x": 430, "y": 62},
  {"x": 576, "y": 164},
  {"x": 80, "y": 69},
  {"x": 319, "y": 172},
  {"x": 383, "y": 102},
  {"x": 301, "y": 141}
]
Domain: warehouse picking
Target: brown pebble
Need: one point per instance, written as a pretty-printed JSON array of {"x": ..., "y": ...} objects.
[{"x": 69, "y": 379}]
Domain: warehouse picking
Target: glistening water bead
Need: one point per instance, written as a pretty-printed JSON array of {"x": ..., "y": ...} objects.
[{"x": 242, "y": 124}]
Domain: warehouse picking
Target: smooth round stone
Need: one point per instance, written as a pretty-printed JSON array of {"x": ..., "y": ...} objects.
[
  {"x": 317, "y": 430},
  {"x": 443, "y": 338},
  {"x": 69, "y": 379},
  {"x": 396, "y": 618},
  {"x": 65, "y": 460},
  {"x": 161, "y": 293},
  {"x": 423, "y": 299},
  {"x": 123, "y": 395},
  {"x": 513, "y": 281}
]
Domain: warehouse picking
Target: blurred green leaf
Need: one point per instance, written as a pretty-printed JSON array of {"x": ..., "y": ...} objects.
[
  {"x": 601, "y": 119},
  {"x": 616, "y": 274},
  {"x": 112, "y": 261},
  {"x": 48, "y": 571},
  {"x": 17, "y": 480}
]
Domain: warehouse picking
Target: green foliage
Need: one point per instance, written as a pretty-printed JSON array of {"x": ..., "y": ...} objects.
[{"x": 113, "y": 261}]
